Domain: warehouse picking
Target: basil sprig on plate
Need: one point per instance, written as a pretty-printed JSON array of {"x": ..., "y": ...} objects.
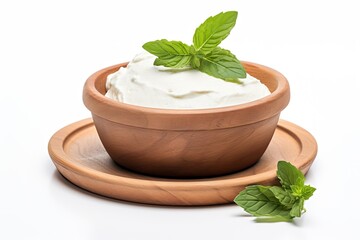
[
  {"x": 205, "y": 53},
  {"x": 285, "y": 202}
]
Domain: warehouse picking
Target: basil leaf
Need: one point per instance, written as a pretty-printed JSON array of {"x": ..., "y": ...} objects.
[
  {"x": 215, "y": 29},
  {"x": 307, "y": 191},
  {"x": 173, "y": 54},
  {"x": 195, "y": 62},
  {"x": 296, "y": 190},
  {"x": 284, "y": 197},
  {"x": 284, "y": 202},
  {"x": 298, "y": 208},
  {"x": 204, "y": 54},
  {"x": 289, "y": 175},
  {"x": 260, "y": 201},
  {"x": 221, "y": 63}
]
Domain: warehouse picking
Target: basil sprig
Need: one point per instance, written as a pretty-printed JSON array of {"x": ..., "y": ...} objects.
[
  {"x": 205, "y": 53},
  {"x": 285, "y": 202}
]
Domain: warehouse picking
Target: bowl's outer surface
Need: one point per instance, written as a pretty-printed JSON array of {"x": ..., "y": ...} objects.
[
  {"x": 187, "y": 143},
  {"x": 182, "y": 153}
]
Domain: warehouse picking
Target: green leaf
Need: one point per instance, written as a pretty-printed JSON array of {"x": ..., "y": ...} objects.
[
  {"x": 298, "y": 208},
  {"x": 221, "y": 63},
  {"x": 204, "y": 54},
  {"x": 302, "y": 191},
  {"x": 296, "y": 190},
  {"x": 284, "y": 197},
  {"x": 215, "y": 29},
  {"x": 195, "y": 62},
  {"x": 307, "y": 191},
  {"x": 289, "y": 175},
  {"x": 279, "y": 203},
  {"x": 173, "y": 54},
  {"x": 260, "y": 201}
]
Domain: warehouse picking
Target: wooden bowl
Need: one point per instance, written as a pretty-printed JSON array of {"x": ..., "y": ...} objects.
[{"x": 187, "y": 143}]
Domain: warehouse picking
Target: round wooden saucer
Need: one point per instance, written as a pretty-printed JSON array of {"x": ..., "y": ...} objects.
[{"x": 79, "y": 156}]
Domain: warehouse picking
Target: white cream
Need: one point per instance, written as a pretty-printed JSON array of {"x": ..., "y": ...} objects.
[{"x": 143, "y": 84}]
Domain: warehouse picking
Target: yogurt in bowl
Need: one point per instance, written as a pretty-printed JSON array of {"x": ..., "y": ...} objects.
[{"x": 143, "y": 84}]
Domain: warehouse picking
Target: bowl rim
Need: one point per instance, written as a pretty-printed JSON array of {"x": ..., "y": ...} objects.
[{"x": 94, "y": 100}]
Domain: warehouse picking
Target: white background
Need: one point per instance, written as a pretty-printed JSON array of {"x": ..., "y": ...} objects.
[{"x": 49, "y": 48}]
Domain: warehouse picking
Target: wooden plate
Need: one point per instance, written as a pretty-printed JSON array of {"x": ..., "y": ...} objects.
[{"x": 79, "y": 156}]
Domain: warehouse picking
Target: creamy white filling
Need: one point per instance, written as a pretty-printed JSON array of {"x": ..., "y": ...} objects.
[{"x": 143, "y": 84}]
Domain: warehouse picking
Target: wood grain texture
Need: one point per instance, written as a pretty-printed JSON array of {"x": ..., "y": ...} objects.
[
  {"x": 187, "y": 143},
  {"x": 80, "y": 157}
]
